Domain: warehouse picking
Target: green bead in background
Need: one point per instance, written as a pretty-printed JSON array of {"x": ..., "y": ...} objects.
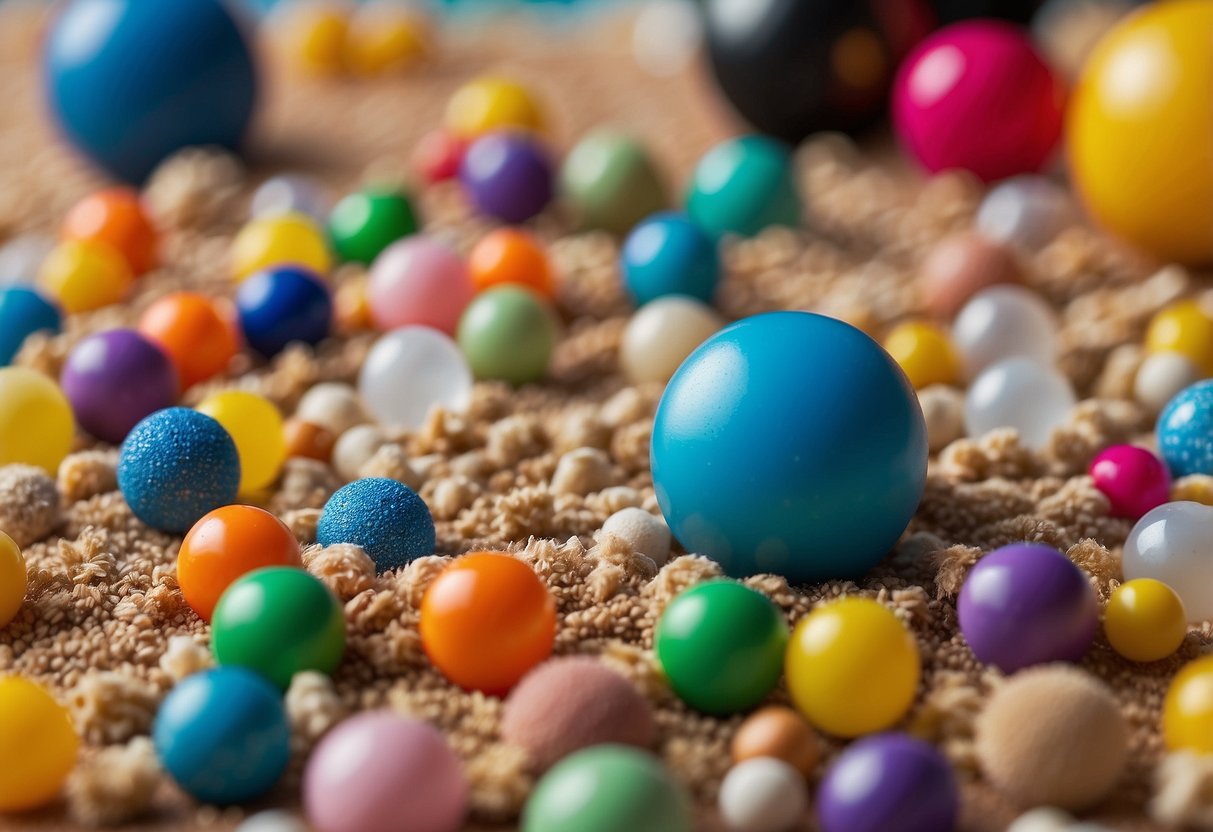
[
  {"x": 743, "y": 186},
  {"x": 508, "y": 333},
  {"x": 612, "y": 182},
  {"x": 278, "y": 621},
  {"x": 721, "y": 645},
  {"x": 366, "y": 222},
  {"x": 608, "y": 788}
]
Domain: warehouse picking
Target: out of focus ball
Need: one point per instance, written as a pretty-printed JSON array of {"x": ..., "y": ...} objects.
[
  {"x": 36, "y": 424},
  {"x": 114, "y": 379},
  {"x": 386, "y": 36},
  {"x": 507, "y": 176},
  {"x": 742, "y": 186},
  {"x": 83, "y": 275},
  {"x": 490, "y": 103},
  {"x": 419, "y": 281},
  {"x": 411, "y": 370},
  {"x": 283, "y": 305},
  {"x": 667, "y": 254},
  {"x": 1005, "y": 322},
  {"x": 959, "y": 266},
  {"x": 763, "y": 794},
  {"x": 508, "y": 333},
  {"x": 23, "y": 311},
  {"x": 1019, "y": 393},
  {"x": 612, "y": 182},
  {"x": 1024, "y": 211},
  {"x": 662, "y": 334}
]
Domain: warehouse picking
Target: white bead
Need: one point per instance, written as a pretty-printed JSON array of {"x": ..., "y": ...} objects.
[
  {"x": 411, "y": 370},
  {"x": 332, "y": 405},
  {"x": 662, "y": 333},
  {"x": 1025, "y": 211},
  {"x": 1160, "y": 378},
  {"x": 1171, "y": 544},
  {"x": 763, "y": 794},
  {"x": 1045, "y": 819},
  {"x": 274, "y": 820},
  {"x": 290, "y": 193},
  {"x": 1004, "y": 322},
  {"x": 1022, "y": 394},
  {"x": 648, "y": 535},
  {"x": 355, "y": 447},
  {"x": 21, "y": 257}
]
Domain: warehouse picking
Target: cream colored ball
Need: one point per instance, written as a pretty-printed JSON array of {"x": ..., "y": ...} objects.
[
  {"x": 662, "y": 333},
  {"x": 332, "y": 405},
  {"x": 355, "y": 447},
  {"x": 1161, "y": 376},
  {"x": 648, "y": 535}
]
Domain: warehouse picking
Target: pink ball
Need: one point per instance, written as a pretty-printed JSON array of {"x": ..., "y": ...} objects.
[
  {"x": 418, "y": 281},
  {"x": 1133, "y": 479},
  {"x": 976, "y": 95},
  {"x": 381, "y": 771}
]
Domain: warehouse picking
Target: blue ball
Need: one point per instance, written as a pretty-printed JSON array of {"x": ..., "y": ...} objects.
[
  {"x": 667, "y": 254},
  {"x": 131, "y": 82},
  {"x": 175, "y": 466},
  {"x": 1185, "y": 430},
  {"x": 281, "y": 305},
  {"x": 23, "y": 311},
  {"x": 789, "y": 443},
  {"x": 386, "y": 518},
  {"x": 223, "y": 735}
]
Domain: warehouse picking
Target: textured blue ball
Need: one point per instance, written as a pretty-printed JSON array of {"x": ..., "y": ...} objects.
[
  {"x": 1185, "y": 430},
  {"x": 281, "y": 305},
  {"x": 386, "y": 518},
  {"x": 223, "y": 735},
  {"x": 23, "y": 311},
  {"x": 175, "y": 466},
  {"x": 667, "y": 254},
  {"x": 789, "y": 443},
  {"x": 131, "y": 82}
]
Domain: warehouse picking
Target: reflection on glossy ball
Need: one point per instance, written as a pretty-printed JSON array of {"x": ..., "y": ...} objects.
[
  {"x": 1019, "y": 393},
  {"x": 1171, "y": 544},
  {"x": 1005, "y": 322},
  {"x": 411, "y": 370}
]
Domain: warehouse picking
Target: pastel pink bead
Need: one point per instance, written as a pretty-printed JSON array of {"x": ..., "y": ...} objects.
[
  {"x": 1134, "y": 480},
  {"x": 381, "y": 771},
  {"x": 419, "y": 281},
  {"x": 976, "y": 95}
]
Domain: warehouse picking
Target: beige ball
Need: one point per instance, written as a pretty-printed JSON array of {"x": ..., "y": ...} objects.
[
  {"x": 333, "y": 406},
  {"x": 355, "y": 448},
  {"x": 960, "y": 266},
  {"x": 943, "y": 408},
  {"x": 1053, "y": 736},
  {"x": 1160, "y": 378},
  {"x": 648, "y": 535},
  {"x": 662, "y": 333}
]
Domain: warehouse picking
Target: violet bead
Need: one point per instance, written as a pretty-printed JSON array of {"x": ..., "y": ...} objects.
[
  {"x": 114, "y": 379},
  {"x": 1027, "y": 604},
  {"x": 507, "y": 176},
  {"x": 1134, "y": 480}
]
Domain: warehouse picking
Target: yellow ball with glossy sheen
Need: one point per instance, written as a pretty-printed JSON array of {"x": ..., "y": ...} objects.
[
  {"x": 257, "y": 428},
  {"x": 1145, "y": 620},
  {"x": 1187, "y": 712},
  {"x": 924, "y": 352},
  {"x": 488, "y": 104},
  {"x": 37, "y": 743},
  {"x": 285, "y": 240},
  {"x": 36, "y": 422},
  {"x": 1185, "y": 328},
  {"x": 83, "y": 275},
  {"x": 12, "y": 579}
]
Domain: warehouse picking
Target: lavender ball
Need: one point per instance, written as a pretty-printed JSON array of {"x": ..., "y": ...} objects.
[
  {"x": 507, "y": 176},
  {"x": 113, "y": 379}
]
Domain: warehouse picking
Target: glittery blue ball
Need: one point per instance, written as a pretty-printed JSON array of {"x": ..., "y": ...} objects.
[
  {"x": 667, "y": 254},
  {"x": 386, "y": 518},
  {"x": 175, "y": 466},
  {"x": 1185, "y": 430}
]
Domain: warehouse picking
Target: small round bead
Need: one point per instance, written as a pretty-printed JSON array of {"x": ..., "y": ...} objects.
[
  {"x": 1004, "y": 322},
  {"x": 283, "y": 240},
  {"x": 419, "y": 282},
  {"x": 1187, "y": 714},
  {"x": 1161, "y": 377},
  {"x": 355, "y": 447},
  {"x": 960, "y": 266},
  {"x": 924, "y": 352},
  {"x": 255, "y": 425},
  {"x": 1026, "y": 211},
  {"x": 742, "y": 186},
  {"x": 12, "y": 579},
  {"x": 662, "y": 333},
  {"x": 36, "y": 730},
  {"x": 36, "y": 423},
  {"x": 511, "y": 256},
  {"x": 386, "y": 36},
  {"x": 411, "y": 370},
  {"x": 487, "y": 103},
  {"x": 332, "y": 405},
  {"x": 507, "y": 176},
  {"x": 1145, "y": 620},
  {"x": 1185, "y": 328},
  {"x": 84, "y": 275},
  {"x": 117, "y": 218},
  {"x": 292, "y": 193},
  {"x": 283, "y": 305},
  {"x": 1019, "y": 393},
  {"x": 779, "y": 732},
  {"x": 438, "y": 155},
  {"x": 24, "y": 311},
  {"x": 311, "y": 34},
  {"x": 763, "y": 795},
  {"x": 272, "y": 820},
  {"x": 508, "y": 333},
  {"x": 366, "y": 222},
  {"x": 612, "y": 183},
  {"x": 645, "y": 533},
  {"x": 667, "y": 254},
  {"x": 307, "y": 440},
  {"x": 943, "y": 409},
  {"x": 196, "y": 333},
  {"x": 1133, "y": 479},
  {"x": 384, "y": 517}
]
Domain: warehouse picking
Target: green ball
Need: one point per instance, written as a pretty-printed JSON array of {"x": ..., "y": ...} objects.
[
  {"x": 278, "y": 621},
  {"x": 508, "y": 333},
  {"x": 608, "y": 788},
  {"x": 612, "y": 182},
  {"x": 368, "y": 221},
  {"x": 721, "y": 645},
  {"x": 743, "y": 186}
]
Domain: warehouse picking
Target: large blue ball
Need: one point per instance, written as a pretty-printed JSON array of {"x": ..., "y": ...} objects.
[
  {"x": 667, "y": 254},
  {"x": 281, "y": 305},
  {"x": 130, "y": 82},
  {"x": 385, "y": 517},
  {"x": 789, "y": 443},
  {"x": 24, "y": 311},
  {"x": 1185, "y": 430}
]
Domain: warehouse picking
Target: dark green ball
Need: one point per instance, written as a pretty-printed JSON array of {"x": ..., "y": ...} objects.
[{"x": 366, "y": 222}]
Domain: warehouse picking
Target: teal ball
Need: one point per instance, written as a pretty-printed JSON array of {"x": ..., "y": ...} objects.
[
  {"x": 667, "y": 254},
  {"x": 743, "y": 186}
]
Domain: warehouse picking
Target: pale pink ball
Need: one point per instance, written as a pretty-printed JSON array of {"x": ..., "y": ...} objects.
[
  {"x": 1133, "y": 479},
  {"x": 381, "y": 771},
  {"x": 976, "y": 95},
  {"x": 419, "y": 281}
]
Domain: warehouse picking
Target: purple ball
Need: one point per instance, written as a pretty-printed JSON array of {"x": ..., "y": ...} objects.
[
  {"x": 1027, "y": 604},
  {"x": 114, "y": 379},
  {"x": 507, "y": 176},
  {"x": 888, "y": 781}
]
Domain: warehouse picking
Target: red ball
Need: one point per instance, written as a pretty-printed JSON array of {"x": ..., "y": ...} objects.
[
  {"x": 438, "y": 155},
  {"x": 1134, "y": 480}
]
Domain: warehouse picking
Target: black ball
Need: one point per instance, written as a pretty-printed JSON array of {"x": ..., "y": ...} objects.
[{"x": 1017, "y": 11}]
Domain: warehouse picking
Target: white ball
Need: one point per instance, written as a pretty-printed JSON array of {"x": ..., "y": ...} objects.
[
  {"x": 662, "y": 333},
  {"x": 1044, "y": 819},
  {"x": 332, "y": 405},
  {"x": 1171, "y": 544},
  {"x": 1160, "y": 378},
  {"x": 1022, "y": 394},
  {"x": 274, "y": 820},
  {"x": 355, "y": 447},
  {"x": 21, "y": 257},
  {"x": 763, "y": 794},
  {"x": 290, "y": 194},
  {"x": 648, "y": 535},
  {"x": 1025, "y": 211},
  {"x": 1003, "y": 322},
  {"x": 411, "y": 370},
  {"x": 666, "y": 36}
]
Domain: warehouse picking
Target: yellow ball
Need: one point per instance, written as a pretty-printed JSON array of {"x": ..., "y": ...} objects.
[
  {"x": 1145, "y": 620},
  {"x": 487, "y": 104},
  {"x": 1185, "y": 328},
  {"x": 1138, "y": 131},
  {"x": 312, "y": 35},
  {"x": 1187, "y": 712},
  {"x": 385, "y": 37},
  {"x": 84, "y": 275},
  {"x": 38, "y": 743},
  {"x": 12, "y": 579},
  {"x": 925, "y": 353},
  {"x": 289, "y": 239},
  {"x": 36, "y": 424},
  {"x": 852, "y": 668},
  {"x": 257, "y": 429}
]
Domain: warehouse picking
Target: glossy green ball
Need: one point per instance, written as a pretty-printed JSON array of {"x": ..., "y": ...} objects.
[
  {"x": 743, "y": 186},
  {"x": 608, "y": 788},
  {"x": 278, "y": 621},
  {"x": 612, "y": 183},
  {"x": 721, "y": 645},
  {"x": 368, "y": 221},
  {"x": 508, "y": 333}
]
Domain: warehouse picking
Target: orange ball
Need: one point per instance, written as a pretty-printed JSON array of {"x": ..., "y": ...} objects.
[
  {"x": 224, "y": 545},
  {"x": 509, "y": 255},
  {"x": 352, "y": 307},
  {"x": 199, "y": 338},
  {"x": 116, "y": 216},
  {"x": 486, "y": 620},
  {"x": 304, "y": 439}
]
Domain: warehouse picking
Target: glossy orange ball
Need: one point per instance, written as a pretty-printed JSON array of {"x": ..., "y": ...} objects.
[
  {"x": 486, "y": 620},
  {"x": 308, "y": 440},
  {"x": 224, "y": 545},
  {"x": 510, "y": 255},
  {"x": 199, "y": 338},
  {"x": 116, "y": 216}
]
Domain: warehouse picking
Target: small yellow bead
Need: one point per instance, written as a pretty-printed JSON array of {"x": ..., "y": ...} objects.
[
  {"x": 925, "y": 353},
  {"x": 1194, "y": 488},
  {"x": 38, "y": 743},
  {"x": 12, "y": 579},
  {"x": 84, "y": 275},
  {"x": 1145, "y": 620},
  {"x": 1185, "y": 328},
  {"x": 386, "y": 37},
  {"x": 36, "y": 422},
  {"x": 487, "y": 104},
  {"x": 312, "y": 35},
  {"x": 289, "y": 239},
  {"x": 1187, "y": 714},
  {"x": 257, "y": 428}
]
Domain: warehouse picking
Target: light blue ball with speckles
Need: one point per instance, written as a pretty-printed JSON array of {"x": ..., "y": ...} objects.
[
  {"x": 1185, "y": 430},
  {"x": 385, "y": 517}
]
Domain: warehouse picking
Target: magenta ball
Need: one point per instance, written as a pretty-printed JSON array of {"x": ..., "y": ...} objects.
[
  {"x": 419, "y": 282},
  {"x": 1133, "y": 479},
  {"x": 976, "y": 95},
  {"x": 382, "y": 771},
  {"x": 508, "y": 176}
]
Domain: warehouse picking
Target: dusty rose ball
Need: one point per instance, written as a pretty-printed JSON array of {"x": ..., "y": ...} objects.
[{"x": 960, "y": 266}]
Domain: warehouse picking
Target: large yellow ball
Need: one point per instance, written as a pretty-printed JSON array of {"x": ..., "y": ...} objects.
[
  {"x": 256, "y": 427},
  {"x": 37, "y": 743},
  {"x": 1187, "y": 712},
  {"x": 1140, "y": 131},
  {"x": 36, "y": 424}
]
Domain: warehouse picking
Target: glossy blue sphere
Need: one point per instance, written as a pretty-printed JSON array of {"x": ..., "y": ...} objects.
[
  {"x": 385, "y": 517},
  {"x": 24, "y": 311},
  {"x": 1185, "y": 431},
  {"x": 667, "y": 254},
  {"x": 281, "y": 305},
  {"x": 130, "y": 82},
  {"x": 223, "y": 735},
  {"x": 789, "y": 443}
]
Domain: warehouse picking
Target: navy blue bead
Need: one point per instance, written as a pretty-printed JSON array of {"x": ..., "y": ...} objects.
[
  {"x": 1185, "y": 431},
  {"x": 131, "y": 82},
  {"x": 177, "y": 465},
  {"x": 281, "y": 305},
  {"x": 386, "y": 518},
  {"x": 667, "y": 254},
  {"x": 23, "y": 311}
]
